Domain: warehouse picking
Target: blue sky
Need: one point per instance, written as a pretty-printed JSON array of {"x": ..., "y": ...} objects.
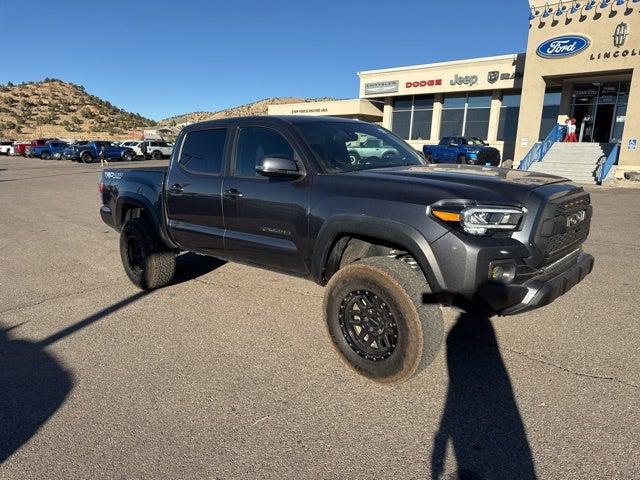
[{"x": 161, "y": 58}]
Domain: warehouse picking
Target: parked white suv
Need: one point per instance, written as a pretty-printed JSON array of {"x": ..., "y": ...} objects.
[
  {"x": 5, "y": 148},
  {"x": 133, "y": 145},
  {"x": 156, "y": 149}
]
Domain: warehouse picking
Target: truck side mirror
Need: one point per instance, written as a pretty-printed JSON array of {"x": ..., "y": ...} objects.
[{"x": 280, "y": 167}]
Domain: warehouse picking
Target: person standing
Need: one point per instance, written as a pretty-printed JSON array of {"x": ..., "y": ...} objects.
[{"x": 102, "y": 154}]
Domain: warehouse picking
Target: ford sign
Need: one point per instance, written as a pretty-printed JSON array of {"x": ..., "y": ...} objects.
[{"x": 564, "y": 46}]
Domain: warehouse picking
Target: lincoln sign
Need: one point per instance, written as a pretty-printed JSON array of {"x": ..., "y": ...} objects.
[{"x": 565, "y": 46}]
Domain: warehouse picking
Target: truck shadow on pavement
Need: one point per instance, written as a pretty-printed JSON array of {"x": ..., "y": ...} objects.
[
  {"x": 34, "y": 383},
  {"x": 480, "y": 420}
]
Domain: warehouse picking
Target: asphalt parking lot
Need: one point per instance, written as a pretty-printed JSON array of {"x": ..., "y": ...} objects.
[{"x": 229, "y": 373}]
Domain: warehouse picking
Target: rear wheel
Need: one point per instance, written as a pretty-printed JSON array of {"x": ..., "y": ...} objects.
[
  {"x": 377, "y": 321},
  {"x": 429, "y": 157},
  {"x": 157, "y": 155},
  {"x": 87, "y": 158},
  {"x": 128, "y": 156},
  {"x": 45, "y": 156},
  {"x": 148, "y": 263}
]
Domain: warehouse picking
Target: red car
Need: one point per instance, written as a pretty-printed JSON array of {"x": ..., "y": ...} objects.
[{"x": 20, "y": 148}]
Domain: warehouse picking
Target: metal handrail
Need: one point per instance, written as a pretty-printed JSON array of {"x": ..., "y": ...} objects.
[
  {"x": 604, "y": 167},
  {"x": 540, "y": 149}
]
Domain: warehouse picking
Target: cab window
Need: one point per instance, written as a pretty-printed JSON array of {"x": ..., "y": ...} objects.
[
  {"x": 255, "y": 143},
  {"x": 203, "y": 151}
]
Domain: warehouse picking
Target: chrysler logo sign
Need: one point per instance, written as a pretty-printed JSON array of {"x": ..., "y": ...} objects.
[
  {"x": 620, "y": 34},
  {"x": 564, "y": 46}
]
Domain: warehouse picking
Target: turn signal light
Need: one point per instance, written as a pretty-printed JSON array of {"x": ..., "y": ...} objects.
[{"x": 446, "y": 216}]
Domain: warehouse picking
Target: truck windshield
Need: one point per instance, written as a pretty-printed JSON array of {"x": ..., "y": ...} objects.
[
  {"x": 475, "y": 141},
  {"x": 351, "y": 146}
]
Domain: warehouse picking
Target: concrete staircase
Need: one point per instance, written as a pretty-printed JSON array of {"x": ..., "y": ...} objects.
[{"x": 576, "y": 161}]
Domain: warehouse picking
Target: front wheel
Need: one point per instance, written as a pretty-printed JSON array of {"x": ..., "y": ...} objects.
[
  {"x": 377, "y": 321},
  {"x": 148, "y": 263},
  {"x": 157, "y": 155},
  {"x": 45, "y": 156},
  {"x": 128, "y": 157},
  {"x": 87, "y": 158}
]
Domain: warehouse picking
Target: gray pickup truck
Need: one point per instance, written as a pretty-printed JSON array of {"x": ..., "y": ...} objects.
[{"x": 391, "y": 237}]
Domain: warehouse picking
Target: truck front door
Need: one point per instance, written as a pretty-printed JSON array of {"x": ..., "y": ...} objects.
[
  {"x": 193, "y": 192},
  {"x": 266, "y": 219}
]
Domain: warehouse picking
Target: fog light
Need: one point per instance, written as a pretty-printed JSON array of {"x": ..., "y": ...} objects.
[{"x": 502, "y": 272}]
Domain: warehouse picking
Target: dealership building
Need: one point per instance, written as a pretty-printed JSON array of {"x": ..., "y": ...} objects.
[{"x": 582, "y": 61}]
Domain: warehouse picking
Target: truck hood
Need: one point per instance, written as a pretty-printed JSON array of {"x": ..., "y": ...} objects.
[{"x": 467, "y": 181}]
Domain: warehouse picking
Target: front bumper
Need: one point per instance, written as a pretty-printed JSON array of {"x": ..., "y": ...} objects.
[{"x": 543, "y": 291}]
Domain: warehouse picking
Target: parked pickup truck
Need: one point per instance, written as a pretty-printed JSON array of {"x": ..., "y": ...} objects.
[
  {"x": 391, "y": 239},
  {"x": 88, "y": 153},
  {"x": 49, "y": 149},
  {"x": 469, "y": 150}
]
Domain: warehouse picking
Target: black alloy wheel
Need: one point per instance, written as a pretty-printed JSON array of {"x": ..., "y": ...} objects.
[
  {"x": 368, "y": 325},
  {"x": 377, "y": 321},
  {"x": 87, "y": 158}
]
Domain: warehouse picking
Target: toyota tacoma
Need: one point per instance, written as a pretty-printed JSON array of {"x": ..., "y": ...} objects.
[{"x": 391, "y": 237}]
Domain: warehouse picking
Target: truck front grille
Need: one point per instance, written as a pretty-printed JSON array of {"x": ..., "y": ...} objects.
[{"x": 564, "y": 226}]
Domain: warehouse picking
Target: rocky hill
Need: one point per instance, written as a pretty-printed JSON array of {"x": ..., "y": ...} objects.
[
  {"x": 254, "y": 108},
  {"x": 53, "y": 108}
]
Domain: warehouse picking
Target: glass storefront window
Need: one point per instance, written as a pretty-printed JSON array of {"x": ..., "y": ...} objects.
[
  {"x": 401, "y": 123},
  {"x": 550, "y": 111},
  {"x": 509, "y": 113},
  {"x": 600, "y": 110},
  {"x": 412, "y": 116},
  {"x": 466, "y": 115}
]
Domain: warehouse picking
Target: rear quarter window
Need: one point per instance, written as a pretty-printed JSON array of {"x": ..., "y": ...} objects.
[{"x": 203, "y": 151}]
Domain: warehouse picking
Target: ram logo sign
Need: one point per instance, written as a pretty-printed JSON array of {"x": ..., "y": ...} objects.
[{"x": 564, "y": 46}]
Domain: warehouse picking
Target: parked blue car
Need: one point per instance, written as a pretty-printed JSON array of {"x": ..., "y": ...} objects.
[
  {"x": 52, "y": 148},
  {"x": 465, "y": 150},
  {"x": 89, "y": 152}
]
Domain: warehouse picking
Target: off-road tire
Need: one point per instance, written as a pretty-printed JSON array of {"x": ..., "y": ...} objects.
[
  {"x": 155, "y": 265},
  {"x": 156, "y": 155},
  {"x": 420, "y": 327},
  {"x": 87, "y": 158}
]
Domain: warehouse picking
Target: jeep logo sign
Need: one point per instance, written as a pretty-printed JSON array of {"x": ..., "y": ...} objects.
[{"x": 564, "y": 46}]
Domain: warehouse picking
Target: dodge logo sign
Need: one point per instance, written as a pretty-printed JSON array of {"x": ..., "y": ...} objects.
[
  {"x": 576, "y": 218},
  {"x": 423, "y": 83},
  {"x": 564, "y": 46}
]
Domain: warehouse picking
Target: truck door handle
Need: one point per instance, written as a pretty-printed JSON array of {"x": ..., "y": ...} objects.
[
  {"x": 176, "y": 188},
  {"x": 232, "y": 193}
]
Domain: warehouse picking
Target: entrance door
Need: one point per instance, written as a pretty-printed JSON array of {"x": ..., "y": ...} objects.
[{"x": 602, "y": 123}]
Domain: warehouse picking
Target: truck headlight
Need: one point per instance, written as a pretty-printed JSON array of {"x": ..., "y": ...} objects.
[{"x": 480, "y": 220}]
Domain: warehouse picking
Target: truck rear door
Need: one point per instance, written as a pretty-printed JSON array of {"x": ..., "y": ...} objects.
[
  {"x": 193, "y": 191},
  {"x": 266, "y": 219}
]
